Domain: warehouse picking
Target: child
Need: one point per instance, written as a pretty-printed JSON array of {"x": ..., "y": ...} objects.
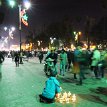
[{"x": 51, "y": 89}]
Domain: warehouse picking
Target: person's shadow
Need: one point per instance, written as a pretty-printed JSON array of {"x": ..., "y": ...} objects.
[
  {"x": 93, "y": 98},
  {"x": 96, "y": 98}
]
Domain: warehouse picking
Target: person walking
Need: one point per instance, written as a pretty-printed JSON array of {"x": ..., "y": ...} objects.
[
  {"x": 21, "y": 57},
  {"x": 76, "y": 68},
  {"x": 1, "y": 57},
  {"x": 17, "y": 59},
  {"x": 102, "y": 64},
  {"x": 63, "y": 62},
  {"x": 80, "y": 58},
  {"x": 40, "y": 56},
  {"x": 95, "y": 60},
  {"x": 69, "y": 57}
]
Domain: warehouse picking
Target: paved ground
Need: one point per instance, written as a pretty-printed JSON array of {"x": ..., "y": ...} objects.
[{"x": 20, "y": 87}]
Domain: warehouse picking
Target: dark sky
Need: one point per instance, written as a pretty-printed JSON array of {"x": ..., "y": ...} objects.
[
  {"x": 51, "y": 10},
  {"x": 48, "y": 11},
  {"x": 44, "y": 11}
]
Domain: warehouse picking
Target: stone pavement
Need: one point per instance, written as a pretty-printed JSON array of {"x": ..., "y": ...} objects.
[{"x": 20, "y": 87}]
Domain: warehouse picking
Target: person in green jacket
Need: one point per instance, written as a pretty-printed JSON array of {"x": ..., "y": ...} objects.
[{"x": 63, "y": 62}]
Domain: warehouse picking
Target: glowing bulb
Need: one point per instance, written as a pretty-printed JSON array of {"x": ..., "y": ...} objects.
[{"x": 27, "y": 5}]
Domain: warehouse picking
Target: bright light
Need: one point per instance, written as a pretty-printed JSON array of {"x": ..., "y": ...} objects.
[
  {"x": 74, "y": 33},
  {"x": 27, "y": 5},
  {"x": 5, "y": 28},
  {"x": 13, "y": 28},
  {"x": 79, "y": 33},
  {"x": 12, "y": 3}
]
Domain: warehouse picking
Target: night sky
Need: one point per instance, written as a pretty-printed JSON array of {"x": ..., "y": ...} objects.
[
  {"x": 52, "y": 10},
  {"x": 48, "y": 11}
]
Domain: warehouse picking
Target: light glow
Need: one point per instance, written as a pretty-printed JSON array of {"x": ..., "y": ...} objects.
[
  {"x": 27, "y": 5},
  {"x": 66, "y": 97},
  {"x": 12, "y": 3},
  {"x": 13, "y": 28}
]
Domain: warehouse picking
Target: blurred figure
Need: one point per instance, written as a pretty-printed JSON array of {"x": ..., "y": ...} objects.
[
  {"x": 69, "y": 57},
  {"x": 21, "y": 57},
  {"x": 80, "y": 60},
  {"x": 54, "y": 56},
  {"x": 76, "y": 68},
  {"x": 63, "y": 62},
  {"x": 1, "y": 57},
  {"x": 40, "y": 56},
  {"x": 102, "y": 64},
  {"x": 17, "y": 59},
  {"x": 12, "y": 55},
  {"x": 95, "y": 60},
  {"x": 0, "y": 71}
]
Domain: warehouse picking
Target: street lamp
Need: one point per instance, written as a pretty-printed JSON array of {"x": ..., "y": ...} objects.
[
  {"x": 26, "y": 6},
  {"x": 52, "y": 40},
  {"x": 77, "y": 36},
  {"x": 39, "y": 44},
  {"x": 10, "y": 32}
]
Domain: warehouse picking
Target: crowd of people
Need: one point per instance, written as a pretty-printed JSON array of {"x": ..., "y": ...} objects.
[
  {"x": 95, "y": 60},
  {"x": 76, "y": 61}
]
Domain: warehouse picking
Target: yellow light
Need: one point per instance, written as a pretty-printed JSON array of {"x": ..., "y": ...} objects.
[
  {"x": 79, "y": 33},
  {"x": 65, "y": 98}
]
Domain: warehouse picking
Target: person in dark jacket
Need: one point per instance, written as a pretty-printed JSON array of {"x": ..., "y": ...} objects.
[
  {"x": 17, "y": 59},
  {"x": 70, "y": 58},
  {"x": 53, "y": 56},
  {"x": 1, "y": 57},
  {"x": 40, "y": 55}
]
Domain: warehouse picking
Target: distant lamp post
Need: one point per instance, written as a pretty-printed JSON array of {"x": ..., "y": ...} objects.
[
  {"x": 52, "y": 40},
  {"x": 77, "y": 36},
  {"x": 10, "y": 34},
  {"x": 39, "y": 43}
]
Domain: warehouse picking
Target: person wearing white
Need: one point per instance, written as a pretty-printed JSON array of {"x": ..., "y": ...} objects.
[{"x": 95, "y": 59}]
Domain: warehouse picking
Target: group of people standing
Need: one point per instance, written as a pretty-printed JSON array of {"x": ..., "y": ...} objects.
[
  {"x": 95, "y": 60},
  {"x": 79, "y": 60}
]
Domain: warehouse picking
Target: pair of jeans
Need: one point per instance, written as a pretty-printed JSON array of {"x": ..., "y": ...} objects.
[
  {"x": 101, "y": 71},
  {"x": 62, "y": 68},
  {"x": 81, "y": 73}
]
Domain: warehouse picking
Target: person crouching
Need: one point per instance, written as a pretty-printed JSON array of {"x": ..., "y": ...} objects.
[{"x": 52, "y": 88}]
